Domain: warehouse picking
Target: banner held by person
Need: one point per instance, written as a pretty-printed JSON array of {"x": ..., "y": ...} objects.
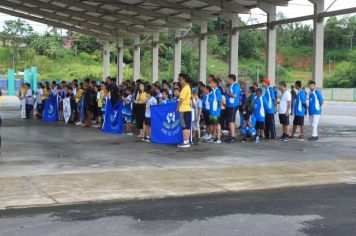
[
  {"x": 166, "y": 128},
  {"x": 66, "y": 109},
  {"x": 113, "y": 118},
  {"x": 51, "y": 109}
]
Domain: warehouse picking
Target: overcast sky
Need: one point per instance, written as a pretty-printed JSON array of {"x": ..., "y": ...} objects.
[{"x": 296, "y": 8}]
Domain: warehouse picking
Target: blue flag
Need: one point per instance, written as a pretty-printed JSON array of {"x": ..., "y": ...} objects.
[
  {"x": 50, "y": 113},
  {"x": 113, "y": 118},
  {"x": 165, "y": 125}
]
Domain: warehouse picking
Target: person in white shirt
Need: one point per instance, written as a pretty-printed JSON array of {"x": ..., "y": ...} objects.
[
  {"x": 284, "y": 109},
  {"x": 39, "y": 105},
  {"x": 29, "y": 100}
]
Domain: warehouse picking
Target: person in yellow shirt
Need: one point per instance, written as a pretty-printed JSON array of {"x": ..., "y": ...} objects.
[
  {"x": 185, "y": 109},
  {"x": 140, "y": 105}
]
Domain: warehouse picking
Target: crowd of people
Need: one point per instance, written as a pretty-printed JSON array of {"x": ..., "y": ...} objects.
[{"x": 211, "y": 108}]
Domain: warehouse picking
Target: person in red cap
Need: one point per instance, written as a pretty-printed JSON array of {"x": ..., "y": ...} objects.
[{"x": 270, "y": 129}]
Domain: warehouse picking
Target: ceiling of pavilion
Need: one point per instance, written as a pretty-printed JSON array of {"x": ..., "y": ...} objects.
[{"x": 110, "y": 19}]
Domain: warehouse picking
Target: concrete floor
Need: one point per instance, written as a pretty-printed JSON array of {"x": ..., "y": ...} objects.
[
  {"x": 56, "y": 163},
  {"x": 319, "y": 210}
]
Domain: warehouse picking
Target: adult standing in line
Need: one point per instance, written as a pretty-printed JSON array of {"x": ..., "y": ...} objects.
[
  {"x": 294, "y": 96},
  {"x": 232, "y": 103},
  {"x": 185, "y": 109},
  {"x": 284, "y": 108},
  {"x": 315, "y": 103},
  {"x": 270, "y": 131}
]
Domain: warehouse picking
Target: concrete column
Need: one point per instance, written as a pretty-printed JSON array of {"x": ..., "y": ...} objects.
[
  {"x": 203, "y": 44},
  {"x": 106, "y": 60},
  {"x": 234, "y": 46},
  {"x": 177, "y": 55},
  {"x": 155, "y": 39},
  {"x": 120, "y": 61},
  {"x": 136, "y": 59},
  {"x": 271, "y": 41},
  {"x": 318, "y": 44}
]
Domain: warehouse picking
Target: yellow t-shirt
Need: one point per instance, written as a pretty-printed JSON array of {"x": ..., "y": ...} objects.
[
  {"x": 100, "y": 102},
  {"x": 142, "y": 97},
  {"x": 185, "y": 96},
  {"x": 78, "y": 95}
]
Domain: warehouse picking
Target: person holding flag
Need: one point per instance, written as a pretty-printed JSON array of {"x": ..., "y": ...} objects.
[{"x": 185, "y": 109}]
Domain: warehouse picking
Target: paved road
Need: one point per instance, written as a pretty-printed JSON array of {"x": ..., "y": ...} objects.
[{"x": 326, "y": 211}]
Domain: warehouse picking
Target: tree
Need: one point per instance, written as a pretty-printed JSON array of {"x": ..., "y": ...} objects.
[{"x": 17, "y": 33}]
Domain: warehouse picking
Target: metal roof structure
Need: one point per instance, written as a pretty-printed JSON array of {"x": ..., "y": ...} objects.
[{"x": 111, "y": 19}]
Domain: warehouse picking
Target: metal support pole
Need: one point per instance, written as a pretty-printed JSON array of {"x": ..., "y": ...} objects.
[
  {"x": 318, "y": 44},
  {"x": 203, "y": 46},
  {"x": 234, "y": 46},
  {"x": 136, "y": 59},
  {"x": 177, "y": 55},
  {"x": 106, "y": 60},
  {"x": 120, "y": 61},
  {"x": 155, "y": 59}
]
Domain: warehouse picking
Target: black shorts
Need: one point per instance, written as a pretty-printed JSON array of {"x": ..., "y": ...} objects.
[
  {"x": 260, "y": 125},
  {"x": 185, "y": 119},
  {"x": 147, "y": 120},
  {"x": 231, "y": 114},
  {"x": 283, "y": 119},
  {"x": 298, "y": 120},
  {"x": 206, "y": 117}
]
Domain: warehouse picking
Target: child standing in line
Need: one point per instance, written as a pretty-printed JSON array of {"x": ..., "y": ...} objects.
[
  {"x": 151, "y": 101},
  {"x": 197, "y": 105},
  {"x": 165, "y": 97},
  {"x": 39, "y": 105},
  {"x": 29, "y": 100},
  {"x": 215, "y": 110},
  {"x": 176, "y": 93},
  {"x": 206, "y": 110},
  {"x": 127, "y": 110},
  {"x": 259, "y": 112},
  {"x": 103, "y": 106}
]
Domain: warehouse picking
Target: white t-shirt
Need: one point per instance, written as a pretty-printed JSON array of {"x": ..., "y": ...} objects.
[
  {"x": 282, "y": 107},
  {"x": 39, "y": 96},
  {"x": 29, "y": 97}
]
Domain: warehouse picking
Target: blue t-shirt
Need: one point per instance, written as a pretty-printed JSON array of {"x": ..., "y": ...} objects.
[
  {"x": 259, "y": 111},
  {"x": 150, "y": 102},
  {"x": 165, "y": 101},
  {"x": 270, "y": 99},
  {"x": 315, "y": 101},
  {"x": 215, "y": 98},
  {"x": 175, "y": 99},
  {"x": 242, "y": 97},
  {"x": 127, "y": 108},
  {"x": 300, "y": 102},
  {"x": 206, "y": 102},
  {"x": 230, "y": 101}
]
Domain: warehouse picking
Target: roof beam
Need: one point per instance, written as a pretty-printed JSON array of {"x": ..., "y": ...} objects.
[
  {"x": 145, "y": 12},
  {"x": 227, "y": 6},
  {"x": 54, "y": 24}
]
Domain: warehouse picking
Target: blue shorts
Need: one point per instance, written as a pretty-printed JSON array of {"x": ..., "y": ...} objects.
[
  {"x": 248, "y": 132},
  {"x": 127, "y": 118}
]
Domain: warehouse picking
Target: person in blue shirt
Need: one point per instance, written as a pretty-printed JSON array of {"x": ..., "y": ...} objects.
[
  {"x": 176, "y": 93},
  {"x": 127, "y": 109},
  {"x": 300, "y": 106},
  {"x": 165, "y": 97},
  {"x": 206, "y": 112},
  {"x": 242, "y": 98},
  {"x": 315, "y": 103},
  {"x": 232, "y": 94},
  {"x": 215, "y": 111},
  {"x": 270, "y": 96},
  {"x": 247, "y": 124},
  {"x": 259, "y": 112}
]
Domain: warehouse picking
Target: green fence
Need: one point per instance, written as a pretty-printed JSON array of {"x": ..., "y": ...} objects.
[{"x": 340, "y": 94}]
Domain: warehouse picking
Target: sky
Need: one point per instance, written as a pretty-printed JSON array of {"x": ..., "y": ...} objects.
[{"x": 296, "y": 8}]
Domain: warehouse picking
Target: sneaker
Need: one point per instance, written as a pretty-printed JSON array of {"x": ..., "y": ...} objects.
[
  {"x": 313, "y": 138},
  {"x": 257, "y": 139},
  {"x": 217, "y": 140},
  {"x": 292, "y": 137},
  {"x": 231, "y": 140},
  {"x": 281, "y": 138},
  {"x": 184, "y": 145},
  {"x": 129, "y": 134},
  {"x": 146, "y": 139},
  {"x": 285, "y": 139},
  {"x": 204, "y": 137},
  {"x": 210, "y": 140},
  {"x": 300, "y": 138},
  {"x": 79, "y": 123}
]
